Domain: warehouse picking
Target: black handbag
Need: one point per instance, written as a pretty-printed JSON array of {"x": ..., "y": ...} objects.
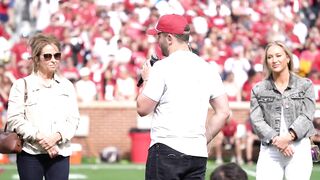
[{"x": 11, "y": 142}]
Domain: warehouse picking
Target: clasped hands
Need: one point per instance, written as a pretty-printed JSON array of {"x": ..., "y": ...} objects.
[
  {"x": 283, "y": 143},
  {"x": 49, "y": 143}
]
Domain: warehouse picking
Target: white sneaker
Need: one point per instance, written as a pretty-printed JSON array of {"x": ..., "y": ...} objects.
[
  {"x": 240, "y": 161},
  {"x": 219, "y": 161},
  {"x": 233, "y": 159},
  {"x": 227, "y": 146}
]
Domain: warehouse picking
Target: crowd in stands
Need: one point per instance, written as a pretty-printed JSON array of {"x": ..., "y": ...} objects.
[
  {"x": 109, "y": 39},
  {"x": 105, "y": 42}
]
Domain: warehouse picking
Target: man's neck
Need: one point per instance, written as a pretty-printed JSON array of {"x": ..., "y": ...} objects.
[{"x": 179, "y": 47}]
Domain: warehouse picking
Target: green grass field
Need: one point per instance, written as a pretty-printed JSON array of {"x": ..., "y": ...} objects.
[{"x": 122, "y": 171}]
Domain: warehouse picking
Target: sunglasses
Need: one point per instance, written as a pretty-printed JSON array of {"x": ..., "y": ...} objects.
[{"x": 48, "y": 56}]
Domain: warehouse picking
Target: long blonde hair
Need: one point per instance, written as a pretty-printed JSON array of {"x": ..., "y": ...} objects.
[{"x": 285, "y": 49}]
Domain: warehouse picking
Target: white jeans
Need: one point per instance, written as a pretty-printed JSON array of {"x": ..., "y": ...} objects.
[{"x": 273, "y": 165}]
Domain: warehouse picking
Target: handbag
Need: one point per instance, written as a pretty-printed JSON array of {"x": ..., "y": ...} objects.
[
  {"x": 315, "y": 152},
  {"x": 11, "y": 142}
]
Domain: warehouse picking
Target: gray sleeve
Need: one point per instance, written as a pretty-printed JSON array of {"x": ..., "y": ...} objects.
[
  {"x": 303, "y": 123},
  {"x": 259, "y": 125}
]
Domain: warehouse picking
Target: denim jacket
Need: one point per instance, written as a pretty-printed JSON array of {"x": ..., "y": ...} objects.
[{"x": 298, "y": 102}]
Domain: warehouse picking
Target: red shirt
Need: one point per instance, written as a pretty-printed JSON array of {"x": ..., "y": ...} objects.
[
  {"x": 71, "y": 73},
  {"x": 230, "y": 129},
  {"x": 316, "y": 63},
  {"x": 55, "y": 30},
  {"x": 4, "y": 33},
  {"x": 4, "y": 7},
  {"x": 246, "y": 89},
  {"x": 217, "y": 21},
  {"x": 19, "y": 49}
]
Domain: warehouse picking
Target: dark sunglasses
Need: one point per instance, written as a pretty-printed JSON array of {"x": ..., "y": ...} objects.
[{"x": 48, "y": 56}]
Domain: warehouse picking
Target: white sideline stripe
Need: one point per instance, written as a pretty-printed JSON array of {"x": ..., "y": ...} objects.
[
  {"x": 77, "y": 176},
  {"x": 91, "y": 166},
  {"x": 250, "y": 172},
  {"x": 71, "y": 176}
]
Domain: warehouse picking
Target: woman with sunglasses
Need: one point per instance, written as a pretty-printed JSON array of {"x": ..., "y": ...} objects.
[{"x": 48, "y": 118}]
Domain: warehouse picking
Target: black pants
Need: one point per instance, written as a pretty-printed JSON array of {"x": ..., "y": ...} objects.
[
  {"x": 35, "y": 167},
  {"x": 165, "y": 163}
]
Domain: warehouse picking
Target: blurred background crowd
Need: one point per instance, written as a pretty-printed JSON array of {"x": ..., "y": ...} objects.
[{"x": 105, "y": 43}]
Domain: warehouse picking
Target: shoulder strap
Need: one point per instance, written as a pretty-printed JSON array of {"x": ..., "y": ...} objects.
[
  {"x": 25, "y": 99},
  {"x": 25, "y": 90}
]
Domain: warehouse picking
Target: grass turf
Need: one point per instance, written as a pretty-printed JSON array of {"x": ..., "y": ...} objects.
[{"x": 123, "y": 171}]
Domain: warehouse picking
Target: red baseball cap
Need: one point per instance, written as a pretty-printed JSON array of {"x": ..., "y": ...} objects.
[{"x": 170, "y": 23}]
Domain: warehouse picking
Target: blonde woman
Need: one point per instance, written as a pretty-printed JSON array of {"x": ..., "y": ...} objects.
[{"x": 282, "y": 109}]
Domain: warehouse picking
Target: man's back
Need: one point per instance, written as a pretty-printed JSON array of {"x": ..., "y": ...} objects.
[{"x": 182, "y": 84}]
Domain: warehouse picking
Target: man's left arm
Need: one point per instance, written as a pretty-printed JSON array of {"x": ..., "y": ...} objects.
[{"x": 221, "y": 115}]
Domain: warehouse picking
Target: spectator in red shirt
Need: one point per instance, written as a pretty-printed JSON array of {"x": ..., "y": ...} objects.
[
  {"x": 3, "y": 32},
  {"x": 247, "y": 86},
  {"x": 69, "y": 71},
  {"x": 260, "y": 29},
  {"x": 316, "y": 62},
  {"x": 6, "y": 12},
  {"x": 22, "y": 69},
  {"x": 254, "y": 75},
  {"x": 56, "y": 27},
  {"x": 19, "y": 50}
]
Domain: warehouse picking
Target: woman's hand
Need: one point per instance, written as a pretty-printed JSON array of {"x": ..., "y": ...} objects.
[
  {"x": 288, "y": 151},
  {"x": 47, "y": 142},
  {"x": 53, "y": 151},
  {"x": 282, "y": 142}
]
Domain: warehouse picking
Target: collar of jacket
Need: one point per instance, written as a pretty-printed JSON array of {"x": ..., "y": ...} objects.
[
  {"x": 291, "y": 85},
  {"x": 34, "y": 85},
  {"x": 56, "y": 77}
]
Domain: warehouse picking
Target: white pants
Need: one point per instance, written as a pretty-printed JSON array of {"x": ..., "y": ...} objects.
[{"x": 273, "y": 165}]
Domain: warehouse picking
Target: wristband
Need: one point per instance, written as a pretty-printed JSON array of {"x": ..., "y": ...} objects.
[{"x": 292, "y": 134}]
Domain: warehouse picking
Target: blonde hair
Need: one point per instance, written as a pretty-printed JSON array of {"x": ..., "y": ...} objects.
[
  {"x": 37, "y": 43},
  {"x": 285, "y": 49}
]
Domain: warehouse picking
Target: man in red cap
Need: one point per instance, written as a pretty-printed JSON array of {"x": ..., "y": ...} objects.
[{"x": 177, "y": 91}]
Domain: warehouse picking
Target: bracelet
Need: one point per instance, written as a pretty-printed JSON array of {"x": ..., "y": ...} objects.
[
  {"x": 60, "y": 139},
  {"x": 292, "y": 135}
]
